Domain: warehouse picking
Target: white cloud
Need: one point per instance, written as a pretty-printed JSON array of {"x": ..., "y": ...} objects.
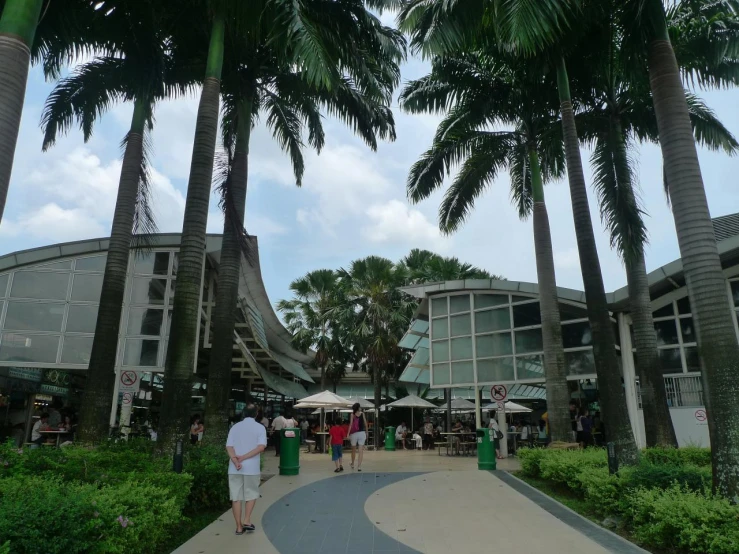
[
  {"x": 394, "y": 222},
  {"x": 567, "y": 259}
]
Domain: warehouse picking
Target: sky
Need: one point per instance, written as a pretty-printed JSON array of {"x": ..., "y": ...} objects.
[{"x": 352, "y": 202}]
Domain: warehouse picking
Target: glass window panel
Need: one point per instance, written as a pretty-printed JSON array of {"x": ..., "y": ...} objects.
[
  {"x": 529, "y": 367},
  {"x": 438, "y": 306},
  {"x": 493, "y": 320},
  {"x": 664, "y": 311},
  {"x": 420, "y": 357},
  {"x": 686, "y": 328},
  {"x": 568, "y": 312},
  {"x": 145, "y": 321},
  {"x": 616, "y": 334},
  {"x": 152, "y": 263},
  {"x": 87, "y": 287},
  {"x": 575, "y": 335},
  {"x": 169, "y": 321},
  {"x": 441, "y": 351},
  {"x": 175, "y": 263},
  {"x": 666, "y": 332},
  {"x": 420, "y": 326},
  {"x": 33, "y": 316},
  {"x": 528, "y": 341},
  {"x": 692, "y": 359},
  {"x": 461, "y": 325},
  {"x": 463, "y": 372},
  {"x": 408, "y": 341},
  {"x": 81, "y": 318},
  {"x": 95, "y": 263},
  {"x": 670, "y": 360},
  {"x": 499, "y": 344},
  {"x": 32, "y": 284},
  {"x": 462, "y": 348},
  {"x": 489, "y": 300},
  {"x": 525, "y": 315},
  {"x": 172, "y": 284},
  {"x": 440, "y": 328},
  {"x": 423, "y": 343},
  {"x": 495, "y": 370},
  {"x": 580, "y": 362},
  {"x": 683, "y": 306},
  {"x": 148, "y": 291},
  {"x": 19, "y": 347},
  {"x": 735, "y": 292},
  {"x": 440, "y": 374},
  {"x": 3, "y": 285},
  {"x": 459, "y": 304},
  {"x": 141, "y": 352},
  {"x": 76, "y": 350}
]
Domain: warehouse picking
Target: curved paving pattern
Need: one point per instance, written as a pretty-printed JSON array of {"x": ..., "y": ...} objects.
[{"x": 328, "y": 517}]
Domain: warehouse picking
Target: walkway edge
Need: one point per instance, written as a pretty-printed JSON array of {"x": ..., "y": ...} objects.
[{"x": 605, "y": 538}]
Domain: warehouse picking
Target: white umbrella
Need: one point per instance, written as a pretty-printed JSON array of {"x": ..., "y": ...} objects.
[
  {"x": 343, "y": 411},
  {"x": 325, "y": 399},
  {"x": 459, "y": 404},
  {"x": 510, "y": 407},
  {"x": 363, "y": 402},
  {"x": 411, "y": 401}
]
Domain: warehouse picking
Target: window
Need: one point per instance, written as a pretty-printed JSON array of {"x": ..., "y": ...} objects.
[
  {"x": 4, "y": 285},
  {"x": 670, "y": 360},
  {"x": 152, "y": 263},
  {"x": 666, "y": 332},
  {"x": 87, "y": 287},
  {"x": 440, "y": 351},
  {"x": 440, "y": 374},
  {"x": 735, "y": 292},
  {"x": 497, "y": 369},
  {"x": 463, "y": 372},
  {"x": 34, "y": 316},
  {"x": 461, "y": 325},
  {"x": 529, "y": 367},
  {"x": 148, "y": 291},
  {"x": 461, "y": 348},
  {"x": 686, "y": 328},
  {"x": 94, "y": 263},
  {"x": 459, "y": 304},
  {"x": 529, "y": 341},
  {"x": 81, "y": 318},
  {"x": 664, "y": 311},
  {"x": 33, "y": 284},
  {"x": 580, "y": 362},
  {"x": 568, "y": 312},
  {"x": 492, "y": 320},
  {"x": 145, "y": 321},
  {"x": 76, "y": 350},
  {"x": 19, "y": 347},
  {"x": 575, "y": 335},
  {"x": 438, "y": 306},
  {"x": 526, "y": 315},
  {"x": 692, "y": 360},
  {"x": 683, "y": 306},
  {"x": 490, "y": 300},
  {"x": 440, "y": 328},
  {"x": 499, "y": 344},
  {"x": 141, "y": 352}
]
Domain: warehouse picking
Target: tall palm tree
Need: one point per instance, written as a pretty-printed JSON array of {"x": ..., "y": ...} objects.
[
  {"x": 426, "y": 267},
  {"x": 137, "y": 68},
  {"x": 526, "y": 28},
  {"x": 645, "y": 23},
  {"x": 35, "y": 31},
  {"x": 328, "y": 43},
  {"x": 482, "y": 93},
  {"x": 377, "y": 315}
]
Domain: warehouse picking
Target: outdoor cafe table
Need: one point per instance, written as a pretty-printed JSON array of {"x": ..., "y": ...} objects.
[
  {"x": 57, "y": 433},
  {"x": 451, "y": 436},
  {"x": 324, "y": 433}
]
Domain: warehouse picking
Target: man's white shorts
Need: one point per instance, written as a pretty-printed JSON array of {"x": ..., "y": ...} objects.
[
  {"x": 358, "y": 438},
  {"x": 243, "y": 487}
]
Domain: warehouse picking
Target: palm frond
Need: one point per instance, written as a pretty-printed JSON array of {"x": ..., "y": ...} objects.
[
  {"x": 286, "y": 129},
  {"x": 707, "y": 128},
  {"x": 144, "y": 221}
]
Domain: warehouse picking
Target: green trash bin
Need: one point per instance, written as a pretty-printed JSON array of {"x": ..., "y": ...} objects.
[
  {"x": 390, "y": 438},
  {"x": 486, "y": 449},
  {"x": 290, "y": 451}
]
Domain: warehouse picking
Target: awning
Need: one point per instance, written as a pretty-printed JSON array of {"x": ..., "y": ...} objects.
[
  {"x": 288, "y": 364},
  {"x": 282, "y": 386},
  {"x": 254, "y": 317},
  {"x": 416, "y": 336}
]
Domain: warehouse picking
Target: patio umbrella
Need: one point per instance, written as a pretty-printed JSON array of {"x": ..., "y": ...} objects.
[
  {"x": 412, "y": 401},
  {"x": 459, "y": 404},
  {"x": 325, "y": 399},
  {"x": 363, "y": 402},
  {"x": 510, "y": 408},
  {"x": 343, "y": 411}
]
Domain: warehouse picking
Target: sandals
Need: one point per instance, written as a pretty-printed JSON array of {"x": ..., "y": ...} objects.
[
  {"x": 249, "y": 527},
  {"x": 239, "y": 533}
]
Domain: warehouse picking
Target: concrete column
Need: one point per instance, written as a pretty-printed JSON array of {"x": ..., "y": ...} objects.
[
  {"x": 478, "y": 419},
  {"x": 503, "y": 429},
  {"x": 114, "y": 400},
  {"x": 629, "y": 375},
  {"x": 125, "y": 421}
]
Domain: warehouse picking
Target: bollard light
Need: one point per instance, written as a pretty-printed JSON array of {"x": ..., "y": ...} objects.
[
  {"x": 177, "y": 461},
  {"x": 612, "y": 458}
]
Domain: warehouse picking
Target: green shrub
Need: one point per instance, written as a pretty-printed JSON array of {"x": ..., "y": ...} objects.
[
  {"x": 649, "y": 475},
  {"x": 47, "y": 515},
  {"x": 208, "y": 466},
  {"x": 564, "y": 466},
  {"x": 681, "y": 519},
  {"x": 5, "y": 548},
  {"x": 691, "y": 455},
  {"x": 530, "y": 459},
  {"x": 602, "y": 490}
]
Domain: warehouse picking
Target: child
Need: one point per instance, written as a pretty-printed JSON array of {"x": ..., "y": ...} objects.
[{"x": 338, "y": 435}]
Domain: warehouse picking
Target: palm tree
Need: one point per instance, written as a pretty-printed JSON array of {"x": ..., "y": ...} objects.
[
  {"x": 482, "y": 93},
  {"x": 141, "y": 69},
  {"x": 426, "y": 267},
  {"x": 645, "y": 24},
  {"x": 526, "y": 28},
  {"x": 330, "y": 45},
  {"x": 38, "y": 31}
]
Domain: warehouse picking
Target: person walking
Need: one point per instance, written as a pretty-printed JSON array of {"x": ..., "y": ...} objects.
[
  {"x": 303, "y": 431},
  {"x": 357, "y": 434},
  {"x": 428, "y": 435},
  {"x": 498, "y": 435},
  {"x": 278, "y": 424},
  {"x": 246, "y": 441},
  {"x": 196, "y": 429},
  {"x": 337, "y": 445}
]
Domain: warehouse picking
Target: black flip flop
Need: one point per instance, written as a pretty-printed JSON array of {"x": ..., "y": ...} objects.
[
  {"x": 239, "y": 533},
  {"x": 250, "y": 528}
]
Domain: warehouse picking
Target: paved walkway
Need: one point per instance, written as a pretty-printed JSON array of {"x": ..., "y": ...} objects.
[{"x": 405, "y": 501}]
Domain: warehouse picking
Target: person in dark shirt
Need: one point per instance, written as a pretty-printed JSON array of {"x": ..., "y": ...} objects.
[{"x": 587, "y": 428}]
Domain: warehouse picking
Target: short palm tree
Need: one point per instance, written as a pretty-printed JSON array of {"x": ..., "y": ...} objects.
[
  {"x": 426, "y": 267},
  {"x": 137, "y": 68},
  {"x": 497, "y": 118}
]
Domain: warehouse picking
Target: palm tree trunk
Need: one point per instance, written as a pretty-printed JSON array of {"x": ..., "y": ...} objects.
[
  {"x": 611, "y": 393},
  {"x": 180, "y": 364},
  {"x": 95, "y": 411},
  {"x": 555, "y": 373},
  {"x": 17, "y": 29},
  {"x": 705, "y": 280},
  {"x": 229, "y": 270},
  {"x": 657, "y": 419}
]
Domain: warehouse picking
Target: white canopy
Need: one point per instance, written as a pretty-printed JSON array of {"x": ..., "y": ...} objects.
[
  {"x": 411, "y": 401},
  {"x": 510, "y": 408},
  {"x": 459, "y": 404},
  {"x": 363, "y": 402},
  {"x": 343, "y": 411},
  {"x": 325, "y": 399}
]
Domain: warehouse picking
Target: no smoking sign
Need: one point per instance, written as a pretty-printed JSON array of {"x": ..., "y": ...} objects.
[{"x": 701, "y": 416}]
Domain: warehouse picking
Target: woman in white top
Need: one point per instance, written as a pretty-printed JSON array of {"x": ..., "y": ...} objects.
[{"x": 494, "y": 426}]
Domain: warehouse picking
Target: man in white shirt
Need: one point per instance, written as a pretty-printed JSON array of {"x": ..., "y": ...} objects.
[
  {"x": 400, "y": 434},
  {"x": 246, "y": 441},
  {"x": 41, "y": 425},
  {"x": 303, "y": 431},
  {"x": 278, "y": 424}
]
